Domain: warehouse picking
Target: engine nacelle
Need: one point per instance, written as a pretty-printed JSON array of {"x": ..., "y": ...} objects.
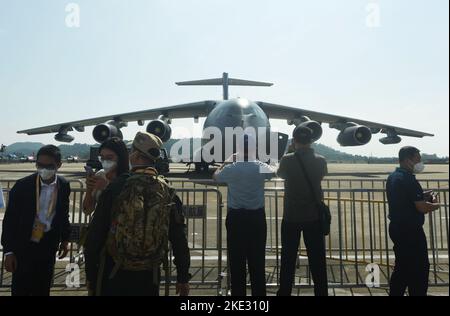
[
  {"x": 103, "y": 132},
  {"x": 390, "y": 140},
  {"x": 64, "y": 138},
  {"x": 315, "y": 127},
  {"x": 161, "y": 129},
  {"x": 355, "y": 135}
]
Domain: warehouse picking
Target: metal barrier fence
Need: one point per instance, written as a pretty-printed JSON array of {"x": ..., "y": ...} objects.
[
  {"x": 327, "y": 183},
  {"x": 359, "y": 236},
  {"x": 204, "y": 237},
  {"x": 364, "y": 183},
  {"x": 9, "y": 183}
]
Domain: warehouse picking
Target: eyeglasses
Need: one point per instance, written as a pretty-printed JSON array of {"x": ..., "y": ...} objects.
[{"x": 45, "y": 166}]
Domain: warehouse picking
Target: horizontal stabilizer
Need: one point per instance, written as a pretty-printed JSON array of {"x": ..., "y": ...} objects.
[
  {"x": 219, "y": 82},
  {"x": 225, "y": 82}
]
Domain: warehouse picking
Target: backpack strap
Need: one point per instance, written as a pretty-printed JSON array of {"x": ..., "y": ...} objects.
[
  {"x": 114, "y": 271},
  {"x": 150, "y": 171}
]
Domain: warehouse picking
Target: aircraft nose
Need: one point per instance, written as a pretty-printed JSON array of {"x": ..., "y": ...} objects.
[
  {"x": 238, "y": 107},
  {"x": 239, "y": 116},
  {"x": 237, "y": 112}
]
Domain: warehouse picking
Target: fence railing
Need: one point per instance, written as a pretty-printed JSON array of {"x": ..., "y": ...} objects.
[
  {"x": 9, "y": 183},
  {"x": 327, "y": 183},
  {"x": 359, "y": 236}
]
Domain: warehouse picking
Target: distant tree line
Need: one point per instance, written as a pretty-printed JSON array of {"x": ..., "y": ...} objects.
[{"x": 332, "y": 155}]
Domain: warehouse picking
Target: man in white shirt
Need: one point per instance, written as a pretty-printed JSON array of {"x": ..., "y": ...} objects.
[
  {"x": 45, "y": 201},
  {"x": 246, "y": 218}
]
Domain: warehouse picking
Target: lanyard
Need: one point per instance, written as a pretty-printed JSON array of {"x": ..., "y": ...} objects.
[{"x": 38, "y": 200}]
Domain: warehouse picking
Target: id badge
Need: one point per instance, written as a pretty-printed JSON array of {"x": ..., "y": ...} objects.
[{"x": 38, "y": 231}]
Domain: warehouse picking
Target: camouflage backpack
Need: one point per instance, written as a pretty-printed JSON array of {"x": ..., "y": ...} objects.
[{"x": 139, "y": 233}]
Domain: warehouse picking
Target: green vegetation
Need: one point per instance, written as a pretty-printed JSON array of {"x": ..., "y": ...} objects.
[{"x": 332, "y": 155}]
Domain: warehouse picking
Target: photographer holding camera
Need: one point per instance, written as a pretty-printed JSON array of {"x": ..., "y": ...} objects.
[{"x": 408, "y": 204}]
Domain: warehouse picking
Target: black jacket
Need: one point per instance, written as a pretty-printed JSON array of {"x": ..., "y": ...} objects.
[{"x": 21, "y": 212}]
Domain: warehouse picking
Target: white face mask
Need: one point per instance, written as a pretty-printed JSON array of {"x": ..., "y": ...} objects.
[
  {"x": 46, "y": 174},
  {"x": 132, "y": 166},
  {"x": 108, "y": 165},
  {"x": 419, "y": 167}
]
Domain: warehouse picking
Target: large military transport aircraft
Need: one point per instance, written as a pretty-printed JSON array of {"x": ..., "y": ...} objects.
[{"x": 232, "y": 113}]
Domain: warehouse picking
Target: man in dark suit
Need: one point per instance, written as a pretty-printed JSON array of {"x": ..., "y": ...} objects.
[{"x": 36, "y": 226}]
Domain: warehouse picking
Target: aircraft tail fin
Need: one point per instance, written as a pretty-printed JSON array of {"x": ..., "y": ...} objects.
[{"x": 225, "y": 82}]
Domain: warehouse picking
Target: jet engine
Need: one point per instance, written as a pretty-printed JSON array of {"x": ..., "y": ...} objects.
[
  {"x": 103, "y": 132},
  {"x": 354, "y": 135},
  {"x": 160, "y": 128},
  {"x": 316, "y": 127}
]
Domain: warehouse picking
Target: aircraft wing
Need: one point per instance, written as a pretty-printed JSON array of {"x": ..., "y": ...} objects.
[
  {"x": 189, "y": 110},
  {"x": 275, "y": 111}
]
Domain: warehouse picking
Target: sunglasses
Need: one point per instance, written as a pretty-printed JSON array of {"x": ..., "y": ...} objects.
[{"x": 44, "y": 166}]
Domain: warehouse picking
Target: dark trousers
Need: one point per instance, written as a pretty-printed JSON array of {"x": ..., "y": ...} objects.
[
  {"x": 246, "y": 241},
  {"x": 412, "y": 266},
  {"x": 315, "y": 246},
  {"x": 35, "y": 268},
  {"x": 129, "y": 283}
]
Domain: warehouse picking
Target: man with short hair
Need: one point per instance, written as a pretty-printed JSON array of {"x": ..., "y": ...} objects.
[
  {"x": 301, "y": 212},
  {"x": 408, "y": 204},
  {"x": 246, "y": 218},
  {"x": 36, "y": 225}
]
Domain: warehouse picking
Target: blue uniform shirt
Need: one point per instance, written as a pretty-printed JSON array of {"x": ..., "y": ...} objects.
[
  {"x": 245, "y": 182},
  {"x": 403, "y": 190}
]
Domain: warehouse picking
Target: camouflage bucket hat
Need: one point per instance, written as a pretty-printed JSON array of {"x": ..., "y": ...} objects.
[{"x": 148, "y": 144}]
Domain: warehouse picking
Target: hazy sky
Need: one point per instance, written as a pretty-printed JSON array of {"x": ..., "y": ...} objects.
[{"x": 328, "y": 56}]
